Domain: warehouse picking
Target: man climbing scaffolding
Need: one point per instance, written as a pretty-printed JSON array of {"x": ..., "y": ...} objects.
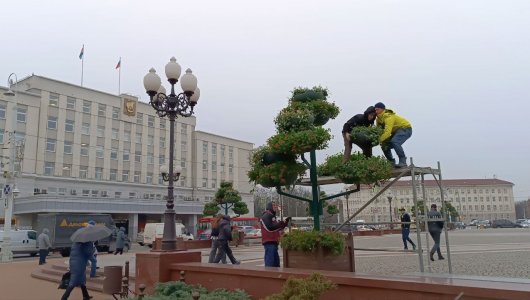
[
  {"x": 396, "y": 130},
  {"x": 366, "y": 119}
]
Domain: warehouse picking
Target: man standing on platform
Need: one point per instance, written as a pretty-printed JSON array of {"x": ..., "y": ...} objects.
[
  {"x": 365, "y": 119},
  {"x": 396, "y": 130}
]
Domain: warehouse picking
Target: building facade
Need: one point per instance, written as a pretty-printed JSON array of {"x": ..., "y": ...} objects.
[
  {"x": 90, "y": 151},
  {"x": 485, "y": 199}
]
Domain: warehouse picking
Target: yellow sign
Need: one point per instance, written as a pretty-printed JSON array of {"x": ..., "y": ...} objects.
[{"x": 65, "y": 223}]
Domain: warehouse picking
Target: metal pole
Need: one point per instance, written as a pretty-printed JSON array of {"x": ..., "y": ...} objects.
[
  {"x": 445, "y": 227},
  {"x": 418, "y": 231},
  {"x": 348, "y": 210},
  {"x": 6, "y": 252},
  {"x": 169, "y": 237},
  {"x": 314, "y": 189}
]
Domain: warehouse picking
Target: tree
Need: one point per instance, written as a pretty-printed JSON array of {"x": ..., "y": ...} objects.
[
  {"x": 449, "y": 210},
  {"x": 226, "y": 197}
]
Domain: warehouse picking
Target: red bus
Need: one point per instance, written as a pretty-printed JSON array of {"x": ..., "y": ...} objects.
[{"x": 205, "y": 225}]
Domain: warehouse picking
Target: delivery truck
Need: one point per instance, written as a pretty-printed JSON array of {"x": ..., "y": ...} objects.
[{"x": 63, "y": 225}]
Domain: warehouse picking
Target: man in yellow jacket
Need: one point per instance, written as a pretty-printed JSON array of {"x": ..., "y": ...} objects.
[{"x": 396, "y": 130}]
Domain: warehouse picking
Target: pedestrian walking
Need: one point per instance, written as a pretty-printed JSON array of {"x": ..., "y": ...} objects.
[
  {"x": 79, "y": 256},
  {"x": 214, "y": 236},
  {"x": 44, "y": 245},
  {"x": 435, "y": 230},
  {"x": 270, "y": 234},
  {"x": 120, "y": 241},
  {"x": 396, "y": 130},
  {"x": 365, "y": 119},
  {"x": 93, "y": 259},
  {"x": 405, "y": 229},
  {"x": 225, "y": 236}
]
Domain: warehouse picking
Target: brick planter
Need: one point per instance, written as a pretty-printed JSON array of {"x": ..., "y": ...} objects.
[{"x": 198, "y": 244}]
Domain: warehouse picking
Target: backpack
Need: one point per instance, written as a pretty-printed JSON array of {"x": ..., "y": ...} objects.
[{"x": 65, "y": 281}]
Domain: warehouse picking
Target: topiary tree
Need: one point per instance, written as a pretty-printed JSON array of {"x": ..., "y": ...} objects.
[{"x": 226, "y": 197}]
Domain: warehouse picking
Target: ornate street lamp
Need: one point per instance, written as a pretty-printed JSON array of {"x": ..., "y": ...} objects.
[
  {"x": 389, "y": 197},
  {"x": 172, "y": 106}
]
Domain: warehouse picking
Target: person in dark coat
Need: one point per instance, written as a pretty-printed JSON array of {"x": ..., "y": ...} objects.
[
  {"x": 120, "y": 241},
  {"x": 79, "y": 256},
  {"x": 214, "y": 236},
  {"x": 435, "y": 230},
  {"x": 270, "y": 234},
  {"x": 225, "y": 236},
  {"x": 44, "y": 244},
  {"x": 365, "y": 119},
  {"x": 405, "y": 229}
]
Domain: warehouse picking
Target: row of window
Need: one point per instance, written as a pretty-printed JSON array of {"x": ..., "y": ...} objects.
[{"x": 484, "y": 190}]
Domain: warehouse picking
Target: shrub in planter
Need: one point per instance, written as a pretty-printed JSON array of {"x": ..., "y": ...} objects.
[
  {"x": 299, "y": 142},
  {"x": 294, "y": 119},
  {"x": 176, "y": 290},
  {"x": 309, "y": 288},
  {"x": 359, "y": 169},
  {"x": 364, "y": 135},
  {"x": 309, "y": 241}
]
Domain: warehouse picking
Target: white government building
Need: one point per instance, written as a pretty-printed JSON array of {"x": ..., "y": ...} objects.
[
  {"x": 483, "y": 199},
  {"x": 94, "y": 152}
]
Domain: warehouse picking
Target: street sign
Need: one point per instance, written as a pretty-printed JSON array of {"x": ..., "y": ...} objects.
[{"x": 7, "y": 189}]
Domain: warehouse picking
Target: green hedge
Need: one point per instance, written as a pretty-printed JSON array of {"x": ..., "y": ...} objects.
[{"x": 176, "y": 290}]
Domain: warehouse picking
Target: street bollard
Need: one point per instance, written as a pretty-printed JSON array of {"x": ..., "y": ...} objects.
[
  {"x": 195, "y": 295},
  {"x": 141, "y": 295},
  {"x": 182, "y": 274}
]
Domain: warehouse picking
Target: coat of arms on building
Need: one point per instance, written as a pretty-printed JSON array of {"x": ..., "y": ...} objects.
[{"x": 129, "y": 106}]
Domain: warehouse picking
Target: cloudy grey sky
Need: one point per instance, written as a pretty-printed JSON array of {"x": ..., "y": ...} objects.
[{"x": 458, "y": 70}]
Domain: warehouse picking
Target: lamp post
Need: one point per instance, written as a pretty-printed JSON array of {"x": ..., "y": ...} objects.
[
  {"x": 172, "y": 106},
  {"x": 390, "y": 203},
  {"x": 6, "y": 255}
]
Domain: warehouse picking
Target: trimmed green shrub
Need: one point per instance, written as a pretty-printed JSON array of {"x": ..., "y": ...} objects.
[
  {"x": 309, "y": 241},
  {"x": 294, "y": 119},
  {"x": 176, "y": 290},
  {"x": 309, "y": 288},
  {"x": 359, "y": 169},
  {"x": 300, "y": 142},
  {"x": 365, "y": 135},
  {"x": 322, "y": 110}
]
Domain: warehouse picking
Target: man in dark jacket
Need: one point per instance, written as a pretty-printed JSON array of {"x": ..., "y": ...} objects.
[
  {"x": 225, "y": 236},
  {"x": 366, "y": 119},
  {"x": 79, "y": 255},
  {"x": 435, "y": 229},
  {"x": 405, "y": 229},
  {"x": 270, "y": 234}
]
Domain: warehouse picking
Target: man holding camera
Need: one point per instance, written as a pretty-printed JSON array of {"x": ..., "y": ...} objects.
[{"x": 270, "y": 234}]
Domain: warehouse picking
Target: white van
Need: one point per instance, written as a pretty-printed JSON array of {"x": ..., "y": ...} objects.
[
  {"x": 156, "y": 230},
  {"x": 22, "y": 241}
]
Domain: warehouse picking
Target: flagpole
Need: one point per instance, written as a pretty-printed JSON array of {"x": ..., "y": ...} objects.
[
  {"x": 82, "y": 62},
  {"x": 119, "y": 78}
]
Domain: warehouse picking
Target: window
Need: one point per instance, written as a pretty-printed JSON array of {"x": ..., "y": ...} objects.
[
  {"x": 115, "y": 133},
  {"x": 86, "y": 193},
  {"x": 183, "y": 164},
  {"x": 70, "y": 103},
  {"x": 102, "y": 110},
  {"x": 67, "y": 170},
  {"x": 231, "y": 152},
  {"x": 132, "y": 195},
  {"x": 85, "y": 128},
  {"x": 115, "y": 113},
  {"x": 83, "y": 172},
  {"x": 99, "y": 151},
  {"x": 104, "y": 194},
  {"x": 222, "y": 152},
  {"x": 21, "y": 114},
  {"x": 162, "y": 123},
  {"x": 87, "y": 105},
  {"x": 100, "y": 131},
  {"x": 49, "y": 168},
  {"x": 162, "y": 142},
  {"x": 149, "y": 178},
  {"x": 126, "y": 155},
  {"x": 126, "y": 136},
  {"x": 67, "y": 147},
  {"x": 214, "y": 166},
  {"x": 54, "y": 99},
  {"x": 69, "y": 125},
  {"x": 214, "y": 149},
  {"x": 52, "y": 122},
  {"x": 84, "y": 149},
  {"x": 150, "y": 158},
  {"x": 138, "y": 138},
  {"x": 161, "y": 159},
  {"x": 61, "y": 191},
  {"x": 125, "y": 175},
  {"x": 230, "y": 169},
  {"x": 117, "y": 195},
  {"x": 50, "y": 145},
  {"x": 113, "y": 153},
  {"x": 151, "y": 121},
  {"x": 204, "y": 182},
  {"x": 139, "y": 118},
  {"x": 2, "y": 136},
  {"x": 184, "y": 129},
  {"x": 138, "y": 156},
  {"x": 113, "y": 175},
  {"x": 160, "y": 180},
  {"x": 95, "y": 193},
  {"x": 2, "y": 111},
  {"x": 205, "y": 165},
  {"x": 205, "y": 148},
  {"x": 214, "y": 183},
  {"x": 99, "y": 174},
  {"x": 137, "y": 175},
  {"x": 150, "y": 140},
  {"x": 73, "y": 192}
]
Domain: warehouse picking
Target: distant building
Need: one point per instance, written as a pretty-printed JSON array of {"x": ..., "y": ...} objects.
[
  {"x": 488, "y": 199},
  {"x": 91, "y": 151}
]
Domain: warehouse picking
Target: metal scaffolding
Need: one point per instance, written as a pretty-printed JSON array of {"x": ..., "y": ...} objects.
[{"x": 417, "y": 175}]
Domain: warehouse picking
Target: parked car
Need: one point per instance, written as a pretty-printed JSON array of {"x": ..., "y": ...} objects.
[
  {"x": 460, "y": 225},
  {"x": 473, "y": 222},
  {"x": 504, "y": 223},
  {"x": 253, "y": 234},
  {"x": 22, "y": 241},
  {"x": 156, "y": 230}
]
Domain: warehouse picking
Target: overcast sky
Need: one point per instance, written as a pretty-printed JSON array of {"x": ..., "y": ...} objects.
[{"x": 458, "y": 70}]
